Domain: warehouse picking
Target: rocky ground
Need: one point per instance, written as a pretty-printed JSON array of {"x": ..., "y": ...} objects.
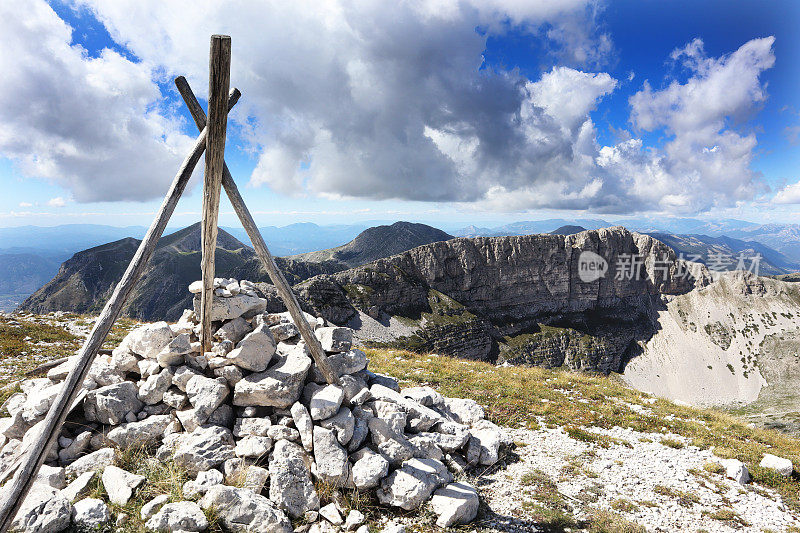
[{"x": 583, "y": 453}]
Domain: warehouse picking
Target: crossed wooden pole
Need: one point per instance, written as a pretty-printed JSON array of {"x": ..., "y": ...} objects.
[{"x": 212, "y": 141}]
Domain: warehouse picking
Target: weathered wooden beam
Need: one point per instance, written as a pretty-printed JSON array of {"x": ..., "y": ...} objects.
[
  {"x": 14, "y": 492},
  {"x": 277, "y": 277},
  {"x": 219, "y": 79}
]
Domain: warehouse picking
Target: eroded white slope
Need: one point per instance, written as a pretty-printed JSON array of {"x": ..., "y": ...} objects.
[{"x": 707, "y": 350}]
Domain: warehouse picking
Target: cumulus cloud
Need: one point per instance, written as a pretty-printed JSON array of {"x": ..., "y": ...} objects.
[
  {"x": 58, "y": 201},
  {"x": 90, "y": 124},
  {"x": 385, "y": 100},
  {"x": 371, "y": 99},
  {"x": 790, "y": 194},
  {"x": 706, "y": 162}
]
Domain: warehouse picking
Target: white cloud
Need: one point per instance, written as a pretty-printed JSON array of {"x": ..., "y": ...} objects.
[
  {"x": 92, "y": 125},
  {"x": 58, "y": 201},
  {"x": 25, "y": 204},
  {"x": 384, "y": 100},
  {"x": 790, "y": 194},
  {"x": 361, "y": 99}
]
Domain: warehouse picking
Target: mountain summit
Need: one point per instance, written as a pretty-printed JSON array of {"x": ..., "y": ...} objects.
[{"x": 378, "y": 242}]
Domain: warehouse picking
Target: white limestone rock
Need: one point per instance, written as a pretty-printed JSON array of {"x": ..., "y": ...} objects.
[
  {"x": 110, "y": 404},
  {"x": 120, "y": 484},
  {"x": 335, "y": 339},
  {"x": 412, "y": 484},
  {"x": 455, "y": 504},
  {"x": 205, "y": 448},
  {"x": 142, "y": 433},
  {"x": 205, "y": 480},
  {"x": 323, "y": 401},
  {"x": 291, "y": 487},
  {"x": 368, "y": 469},
  {"x": 178, "y": 516},
  {"x": 95, "y": 461},
  {"x": 148, "y": 340},
  {"x": 342, "y": 423},
  {"x": 332, "y": 464},
  {"x": 279, "y": 386},
  {"x": 90, "y": 513},
  {"x": 782, "y": 466},
  {"x": 255, "y": 351},
  {"x": 152, "y": 507},
  {"x": 45, "y": 509},
  {"x": 242, "y": 510}
]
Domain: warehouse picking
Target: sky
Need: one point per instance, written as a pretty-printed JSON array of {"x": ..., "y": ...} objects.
[{"x": 451, "y": 112}]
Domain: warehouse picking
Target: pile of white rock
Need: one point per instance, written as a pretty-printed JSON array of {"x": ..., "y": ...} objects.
[{"x": 254, "y": 424}]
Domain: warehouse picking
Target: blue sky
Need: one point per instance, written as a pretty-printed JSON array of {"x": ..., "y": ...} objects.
[{"x": 444, "y": 112}]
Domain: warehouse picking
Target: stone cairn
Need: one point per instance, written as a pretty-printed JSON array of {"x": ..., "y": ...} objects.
[{"x": 254, "y": 424}]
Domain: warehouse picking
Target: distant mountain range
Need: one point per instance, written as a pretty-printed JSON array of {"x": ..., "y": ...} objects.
[
  {"x": 85, "y": 282},
  {"x": 30, "y": 256}
]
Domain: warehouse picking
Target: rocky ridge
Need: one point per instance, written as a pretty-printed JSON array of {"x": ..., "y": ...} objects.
[{"x": 254, "y": 425}]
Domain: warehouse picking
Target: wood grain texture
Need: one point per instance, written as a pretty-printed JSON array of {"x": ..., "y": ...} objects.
[
  {"x": 277, "y": 277},
  {"x": 219, "y": 78},
  {"x": 14, "y": 492}
]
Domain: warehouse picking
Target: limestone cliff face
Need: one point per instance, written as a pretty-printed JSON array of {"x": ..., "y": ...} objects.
[
  {"x": 511, "y": 279},
  {"x": 509, "y": 285}
]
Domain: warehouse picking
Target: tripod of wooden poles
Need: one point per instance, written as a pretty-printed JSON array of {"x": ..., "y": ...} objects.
[{"x": 212, "y": 141}]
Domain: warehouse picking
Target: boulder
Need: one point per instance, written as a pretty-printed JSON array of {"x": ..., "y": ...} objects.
[
  {"x": 412, "y": 484},
  {"x": 426, "y": 396},
  {"x": 781, "y": 466},
  {"x": 205, "y": 480},
  {"x": 394, "y": 415},
  {"x": 120, "y": 484},
  {"x": 463, "y": 410},
  {"x": 279, "y": 386},
  {"x": 152, "y": 507},
  {"x": 335, "y": 339},
  {"x": 110, "y": 404},
  {"x": 735, "y": 470},
  {"x": 206, "y": 395},
  {"x": 284, "y": 331},
  {"x": 331, "y": 514},
  {"x": 254, "y": 351},
  {"x": 258, "y": 427},
  {"x": 332, "y": 464},
  {"x": 291, "y": 487},
  {"x": 342, "y": 423},
  {"x": 354, "y": 519},
  {"x": 418, "y": 417},
  {"x": 255, "y": 478},
  {"x": 52, "y": 476},
  {"x": 368, "y": 469},
  {"x": 45, "y": 509},
  {"x": 304, "y": 424},
  {"x": 455, "y": 504},
  {"x": 241, "y": 510},
  {"x": 323, "y": 402},
  {"x": 79, "y": 487},
  {"x": 205, "y": 448},
  {"x": 152, "y": 390},
  {"x": 178, "y": 516},
  {"x": 90, "y": 513},
  {"x": 253, "y": 447},
  {"x": 92, "y": 462},
  {"x": 484, "y": 443},
  {"x": 394, "y": 446},
  {"x": 233, "y": 330},
  {"x": 182, "y": 376},
  {"x": 148, "y": 340},
  {"x": 148, "y": 431},
  {"x": 174, "y": 352},
  {"x": 343, "y": 364},
  {"x": 241, "y": 305}
]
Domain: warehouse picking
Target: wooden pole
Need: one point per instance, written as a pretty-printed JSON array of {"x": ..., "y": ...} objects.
[
  {"x": 14, "y": 492},
  {"x": 219, "y": 80},
  {"x": 277, "y": 277}
]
